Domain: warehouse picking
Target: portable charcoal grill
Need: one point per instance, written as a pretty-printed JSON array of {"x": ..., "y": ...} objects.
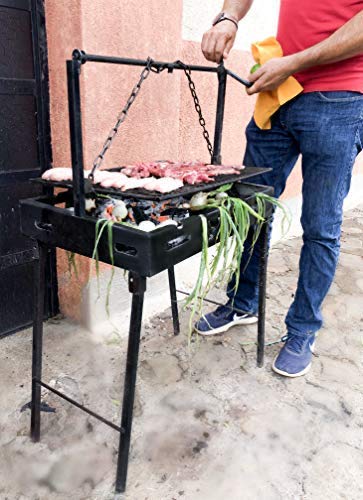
[{"x": 49, "y": 221}]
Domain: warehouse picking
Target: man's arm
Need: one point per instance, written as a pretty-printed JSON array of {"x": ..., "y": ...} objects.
[
  {"x": 346, "y": 42},
  {"x": 218, "y": 41}
]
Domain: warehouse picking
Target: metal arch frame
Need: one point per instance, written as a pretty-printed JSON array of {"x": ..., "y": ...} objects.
[
  {"x": 137, "y": 283},
  {"x": 75, "y": 113}
]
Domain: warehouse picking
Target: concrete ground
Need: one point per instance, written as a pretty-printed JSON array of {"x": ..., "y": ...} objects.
[{"x": 208, "y": 424}]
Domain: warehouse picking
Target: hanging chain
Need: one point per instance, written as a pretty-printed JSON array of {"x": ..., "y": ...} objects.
[
  {"x": 198, "y": 109},
  {"x": 134, "y": 93},
  {"x": 122, "y": 117}
]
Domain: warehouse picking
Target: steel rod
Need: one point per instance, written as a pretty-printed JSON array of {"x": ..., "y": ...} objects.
[
  {"x": 75, "y": 122},
  {"x": 210, "y": 301},
  {"x": 264, "y": 237},
  {"x": 244, "y": 82},
  {"x": 137, "y": 285},
  {"x": 159, "y": 65},
  {"x": 221, "y": 100},
  {"x": 174, "y": 302},
  {"x": 39, "y": 295},
  {"x": 81, "y": 407}
]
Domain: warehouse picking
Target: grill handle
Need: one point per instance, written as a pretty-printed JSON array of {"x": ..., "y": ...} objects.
[{"x": 44, "y": 226}]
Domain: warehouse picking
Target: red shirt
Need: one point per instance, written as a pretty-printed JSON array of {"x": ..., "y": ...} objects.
[{"x": 304, "y": 23}]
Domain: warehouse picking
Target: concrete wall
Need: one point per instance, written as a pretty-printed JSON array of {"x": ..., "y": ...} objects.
[{"x": 162, "y": 124}]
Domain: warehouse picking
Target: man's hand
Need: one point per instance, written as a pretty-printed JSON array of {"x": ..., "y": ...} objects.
[
  {"x": 218, "y": 41},
  {"x": 271, "y": 75}
]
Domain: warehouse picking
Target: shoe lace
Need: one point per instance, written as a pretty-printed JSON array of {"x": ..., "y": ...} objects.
[{"x": 295, "y": 342}]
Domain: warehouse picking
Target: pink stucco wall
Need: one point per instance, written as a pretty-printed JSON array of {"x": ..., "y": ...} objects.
[
  {"x": 64, "y": 33},
  {"x": 112, "y": 27},
  {"x": 163, "y": 122},
  {"x": 153, "y": 124}
]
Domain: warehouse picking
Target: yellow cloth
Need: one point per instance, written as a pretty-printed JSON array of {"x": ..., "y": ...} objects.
[{"x": 270, "y": 101}]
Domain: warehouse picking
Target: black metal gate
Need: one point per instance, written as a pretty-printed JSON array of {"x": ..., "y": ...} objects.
[{"x": 25, "y": 151}]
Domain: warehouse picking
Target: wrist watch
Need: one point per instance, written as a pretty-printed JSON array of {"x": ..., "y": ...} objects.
[{"x": 223, "y": 16}]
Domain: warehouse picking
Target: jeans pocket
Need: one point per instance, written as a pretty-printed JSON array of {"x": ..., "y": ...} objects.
[{"x": 340, "y": 96}]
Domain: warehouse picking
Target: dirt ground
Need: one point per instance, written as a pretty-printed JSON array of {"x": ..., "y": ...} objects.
[{"x": 209, "y": 424}]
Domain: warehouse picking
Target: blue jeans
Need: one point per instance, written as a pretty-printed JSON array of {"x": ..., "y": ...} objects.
[{"x": 326, "y": 128}]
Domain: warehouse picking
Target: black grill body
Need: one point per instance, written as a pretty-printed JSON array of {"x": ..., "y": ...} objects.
[{"x": 146, "y": 253}]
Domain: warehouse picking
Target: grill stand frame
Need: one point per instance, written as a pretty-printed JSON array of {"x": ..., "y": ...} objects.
[
  {"x": 137, "y": 287},
  {"x": 137, "y": 283}
]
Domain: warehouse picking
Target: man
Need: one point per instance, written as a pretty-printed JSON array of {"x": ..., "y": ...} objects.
[{"x": 322, "y": 43}]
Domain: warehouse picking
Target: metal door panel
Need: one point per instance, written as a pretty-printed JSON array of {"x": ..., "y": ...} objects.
[
  {"x": 18, "y": 136},
  {"x": 15, "y": 307},
  {"x": 11, "y": 239},
  {"x": 16, "y": 57},
  {"x": 25, "y": 152}
]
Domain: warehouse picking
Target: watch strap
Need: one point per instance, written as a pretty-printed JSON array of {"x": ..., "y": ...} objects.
[{"x": 225, "y": 17}]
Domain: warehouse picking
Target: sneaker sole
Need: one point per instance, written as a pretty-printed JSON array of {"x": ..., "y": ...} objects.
[
  {"x": 225, "y": 328},
  {"x": 291, "y": 375}
]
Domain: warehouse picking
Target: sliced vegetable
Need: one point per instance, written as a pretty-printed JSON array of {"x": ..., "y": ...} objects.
[{"x": 254, "y": 68}]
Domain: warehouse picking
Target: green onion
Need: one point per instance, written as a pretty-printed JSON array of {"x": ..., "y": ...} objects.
[
  {"x": 287, "y": 216},
  {"x": 235, "y": 217},
  {"x": 101, "y": 225},
  {"x": 110, "y": 250},
  {"x": 71, "y": 256},
  {"x": 95, "y": 256}
]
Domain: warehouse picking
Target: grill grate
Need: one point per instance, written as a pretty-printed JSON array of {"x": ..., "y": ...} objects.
[{"x": 185, "y": 191}]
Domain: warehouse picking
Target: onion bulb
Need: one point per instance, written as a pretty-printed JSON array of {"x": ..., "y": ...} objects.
[
  {"x": 90, "y": 204},
  {"x": 199, "y": 201},
  {"x": 119, "y": 211},
  {"x": 221, "y": 196},
  {"x": 146, "y": 225}
]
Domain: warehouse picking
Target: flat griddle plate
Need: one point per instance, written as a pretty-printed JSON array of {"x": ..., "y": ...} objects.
[{"x": 185, "y": 191}]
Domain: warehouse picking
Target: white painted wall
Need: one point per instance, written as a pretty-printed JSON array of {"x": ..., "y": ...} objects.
[{"x": 259, "y": 23}]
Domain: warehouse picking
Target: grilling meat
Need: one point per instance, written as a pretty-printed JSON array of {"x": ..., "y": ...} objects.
[
  {"x": 121, "y": 181},
  {"x": 188, "y": 172},
  {"x": 58, "y": 174},
  {"x": 164, "y": 185},
  {"x": 117, "y": 180},
  {"x": 109, "y": 179},
  {"x": 138, "y": 170},
  {"x": 163, "y": 176}
]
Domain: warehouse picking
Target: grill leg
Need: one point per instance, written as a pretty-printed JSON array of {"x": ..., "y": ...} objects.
[
  {"x": 39, "y": 284},
  {"x": 137, "y": 286},
  {"x": 263, "y": 241},
  {"x": 174, "y": 303}
]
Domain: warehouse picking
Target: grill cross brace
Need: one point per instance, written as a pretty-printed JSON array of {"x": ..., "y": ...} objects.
[{"x": 45, "y": 233}]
